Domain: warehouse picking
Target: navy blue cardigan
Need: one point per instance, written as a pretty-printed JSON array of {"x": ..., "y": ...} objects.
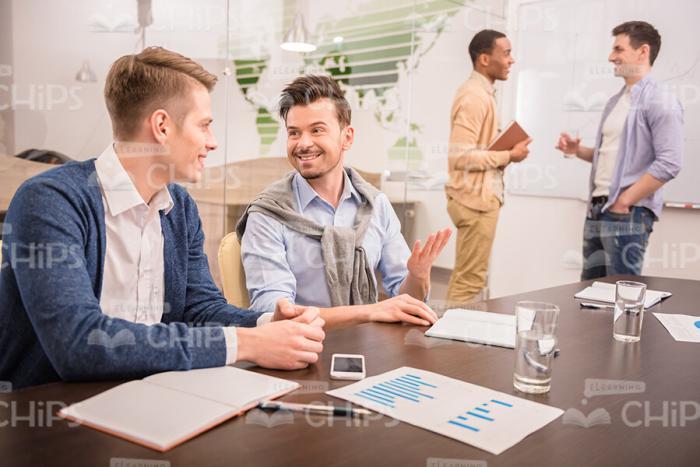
[{"x": 51, "y": 324}]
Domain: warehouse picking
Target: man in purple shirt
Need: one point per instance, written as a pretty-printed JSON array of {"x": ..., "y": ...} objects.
[{"x": 639, "y": 147}]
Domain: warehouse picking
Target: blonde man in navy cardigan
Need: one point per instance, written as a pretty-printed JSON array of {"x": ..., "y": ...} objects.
[{"x": 104, "y": 274}]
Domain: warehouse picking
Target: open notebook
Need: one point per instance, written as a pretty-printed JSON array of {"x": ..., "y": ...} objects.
[
  {"x": 167, "y": 409},
  {"x": 481, "y": 327},
  {"x": 605, "y": 292}
]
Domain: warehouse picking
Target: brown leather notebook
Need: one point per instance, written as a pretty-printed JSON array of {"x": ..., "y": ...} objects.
[{"x": 509, "y": 137}]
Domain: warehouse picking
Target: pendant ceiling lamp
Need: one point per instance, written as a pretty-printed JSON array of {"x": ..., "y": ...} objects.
[{"x": 297, "y": 38}]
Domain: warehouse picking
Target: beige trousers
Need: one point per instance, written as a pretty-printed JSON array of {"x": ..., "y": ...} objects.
[{"x": 475, "y": 233}]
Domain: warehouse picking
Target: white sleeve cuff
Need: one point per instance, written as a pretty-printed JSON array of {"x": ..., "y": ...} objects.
[
  {"x": 264, "y": 318},
  {"x": 231, "y": 344}
]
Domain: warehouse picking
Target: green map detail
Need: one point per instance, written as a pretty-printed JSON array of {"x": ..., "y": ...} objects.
[
  {"x": 247, "y": 76},
  {"x": 267, "y": 129},
  {"x": 381, "y": 41},
  {"x": 248, "y": 72}
]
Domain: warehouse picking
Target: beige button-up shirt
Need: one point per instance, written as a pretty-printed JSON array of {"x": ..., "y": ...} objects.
[{"x": 475, "y": 174}]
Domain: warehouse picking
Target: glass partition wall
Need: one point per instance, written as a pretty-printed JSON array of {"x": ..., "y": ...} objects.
[{"x": 399, "y": 62}]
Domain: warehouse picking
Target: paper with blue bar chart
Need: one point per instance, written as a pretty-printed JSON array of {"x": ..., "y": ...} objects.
[{"x": 486, "y": 419}]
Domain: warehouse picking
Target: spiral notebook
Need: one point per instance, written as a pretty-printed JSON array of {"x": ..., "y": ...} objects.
[{"x": 167, "y": 409}]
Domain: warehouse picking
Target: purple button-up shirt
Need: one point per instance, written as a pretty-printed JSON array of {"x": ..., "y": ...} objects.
[{"x": 651, "y": 141}]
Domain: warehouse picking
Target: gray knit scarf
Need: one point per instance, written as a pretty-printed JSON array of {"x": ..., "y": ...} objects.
[{"x": 349, "y": 275}]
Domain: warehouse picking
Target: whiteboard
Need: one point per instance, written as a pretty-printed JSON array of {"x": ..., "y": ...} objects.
[{"x": 564, "y": 80}]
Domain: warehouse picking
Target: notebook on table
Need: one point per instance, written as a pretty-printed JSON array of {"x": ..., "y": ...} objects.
[
  {"x": 166, "y": 409},
  {"x": 605, "y": 292},
  {"x": 480, "y": 327}
]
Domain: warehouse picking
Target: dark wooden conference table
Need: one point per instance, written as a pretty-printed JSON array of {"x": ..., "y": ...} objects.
[{"x": 659, "y": 426}]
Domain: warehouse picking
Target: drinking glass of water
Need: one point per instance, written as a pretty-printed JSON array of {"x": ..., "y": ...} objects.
[
  {"x": 535, "y": 343},
  {"x": 629, "y": 310}
]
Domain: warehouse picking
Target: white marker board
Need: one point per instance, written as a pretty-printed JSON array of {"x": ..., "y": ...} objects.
[{"x": 563, "y": 81}]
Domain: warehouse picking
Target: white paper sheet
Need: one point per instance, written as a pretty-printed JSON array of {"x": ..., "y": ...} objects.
[
  {"x": 486, "y": 419},
  {"x": 481, "y": 327},
  {"x": 683, "y": 328}
]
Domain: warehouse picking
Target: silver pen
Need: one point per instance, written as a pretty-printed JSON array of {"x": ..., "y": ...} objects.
[
  {"x": 310, "y": 408},
  {"x": 596, "y": 305}
]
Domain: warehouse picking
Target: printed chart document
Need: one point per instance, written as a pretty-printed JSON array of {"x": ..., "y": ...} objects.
[
  {"x": 605, "y": 292},
  {"x": 166, "y": 409},
  {"x": 481, "y": 327},
  {"x": 486, "y": 419},
  {"x": 683, "y": 328}
]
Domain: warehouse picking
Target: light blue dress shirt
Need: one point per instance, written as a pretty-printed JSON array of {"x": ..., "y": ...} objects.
[
  {"x": 651, "y": 141},
  {"x": 282, "y": 263}
]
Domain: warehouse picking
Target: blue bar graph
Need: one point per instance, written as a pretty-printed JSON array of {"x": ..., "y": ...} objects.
[
  {"x": 487, "y": 412},
  {"x": 501, "y": 403},
  {"x": 468, "y": 427},
  {"x": 409, "y": 388}
]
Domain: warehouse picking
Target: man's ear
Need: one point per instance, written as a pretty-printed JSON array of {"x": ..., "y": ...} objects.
[
  {"x": 483, "y": 60},
  {"x": 644, "y": 51},
  {"x": 348, "y": 137},
  {"x": 161, "y": 125}
]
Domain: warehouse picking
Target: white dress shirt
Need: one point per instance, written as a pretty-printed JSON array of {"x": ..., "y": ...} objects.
[{"x": 133, "y": 280}]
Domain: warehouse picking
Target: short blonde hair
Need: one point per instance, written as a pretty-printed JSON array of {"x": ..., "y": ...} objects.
[{"x": 139, "y": 84}]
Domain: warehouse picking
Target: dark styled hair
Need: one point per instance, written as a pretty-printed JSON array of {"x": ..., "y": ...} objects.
[
  {"x": 309, "y": 88},
  {"x": 641, "y": 32},
  {"x": 482, "y": 43}
]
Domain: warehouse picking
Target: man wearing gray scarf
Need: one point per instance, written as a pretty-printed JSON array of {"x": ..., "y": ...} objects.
[{"x": 318, "y": 235}]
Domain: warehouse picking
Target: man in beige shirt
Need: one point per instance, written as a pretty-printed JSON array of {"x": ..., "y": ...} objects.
[{"x": 475, "y": 187}]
